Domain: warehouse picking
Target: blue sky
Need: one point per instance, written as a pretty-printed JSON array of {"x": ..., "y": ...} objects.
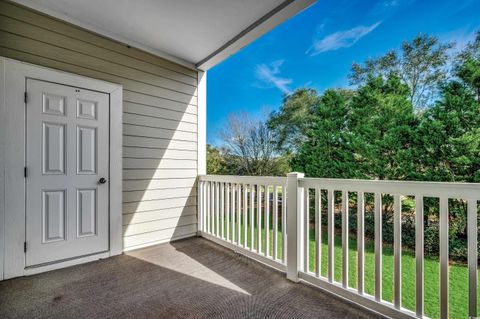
[{"x": 316, "y": 49}]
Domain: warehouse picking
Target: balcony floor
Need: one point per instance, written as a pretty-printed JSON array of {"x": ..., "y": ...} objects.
[{"x": 192, "y": 278}]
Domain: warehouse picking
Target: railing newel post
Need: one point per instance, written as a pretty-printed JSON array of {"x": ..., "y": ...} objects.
[
  {"x": 294, "y": 233},
  {"x": 200, "y": 205}
]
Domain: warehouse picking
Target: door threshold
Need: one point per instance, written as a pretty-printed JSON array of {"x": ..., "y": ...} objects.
[{"x": 36, "y": 269}]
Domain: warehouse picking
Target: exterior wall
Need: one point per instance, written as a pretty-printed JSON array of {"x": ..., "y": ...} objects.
[{"x": 159, "y": 117}]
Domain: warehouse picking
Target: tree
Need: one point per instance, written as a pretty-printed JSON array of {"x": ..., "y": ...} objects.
[
  {"x": 327, "y": 151},
  {"x": 215, "y": 161},
  {"x": 382, "y": 123},
  {"x": 368, "y": 134},
  {"x": 447, "y": 136},
  {"x": 250, "y": 146},
  {"x": 471, "y": 50},
  {"x": 468, "y": 65},
  {"x": 469, "y": 72},
  {"x": 420, "y": 64},
  {"x": 292, "y": 121}
]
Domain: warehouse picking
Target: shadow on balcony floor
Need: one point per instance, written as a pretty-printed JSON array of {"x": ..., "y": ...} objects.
[{"x": 193, "y": 278}]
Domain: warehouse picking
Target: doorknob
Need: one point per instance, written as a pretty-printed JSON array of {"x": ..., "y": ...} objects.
[{"x": 102, "y": 180}]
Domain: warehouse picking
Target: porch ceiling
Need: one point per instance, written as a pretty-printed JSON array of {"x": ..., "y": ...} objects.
[{"x": 198, "y": 33}]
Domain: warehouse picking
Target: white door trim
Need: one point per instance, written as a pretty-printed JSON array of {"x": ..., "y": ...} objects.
[{"x": 12, "y": 145}]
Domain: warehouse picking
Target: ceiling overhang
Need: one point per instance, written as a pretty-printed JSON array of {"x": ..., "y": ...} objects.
[{"x": 198, "y": 34}]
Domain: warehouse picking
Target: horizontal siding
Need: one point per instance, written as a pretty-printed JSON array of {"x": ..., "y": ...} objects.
[
  {"x": 92, "y": 57},
  {"x": 148, "y": 205},
  {"x": 152, "y": 194},
  {"x": 158, "y": 163},
  {"x": 142, "y": 217},
  {"x": 158, "y": 174},
  {"x": 158, "y": 101},
  {"x": 158, "y": 237},
  {"x": 143, "y": 152},
  {"x": 156, "y": 225},
  {"x": 147, "y": 184},
  {"x": 158, "y": 143},
  {"x": 28, "y": 16},
  {"x": 154, "y": 111},
  {"x": 159, "y": 117},
  {"x": 146, "y": 120},
  {"x": 147, "y": 131}
]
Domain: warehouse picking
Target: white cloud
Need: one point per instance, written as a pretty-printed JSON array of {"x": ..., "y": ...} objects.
[
  {"x": 269, "y": 75},
  {"x": 340, "y": 39}
]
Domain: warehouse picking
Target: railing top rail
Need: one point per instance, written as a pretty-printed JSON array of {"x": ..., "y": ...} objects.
[
  {"x": 428, "y": 189},
  {"x": 260, "y": 180}
]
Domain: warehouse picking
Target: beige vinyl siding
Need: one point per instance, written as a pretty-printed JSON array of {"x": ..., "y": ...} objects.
[{"x": 159, "y": 117}]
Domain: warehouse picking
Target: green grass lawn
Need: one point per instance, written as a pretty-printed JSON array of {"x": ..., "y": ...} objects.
[{"x": 458, "y": 274}]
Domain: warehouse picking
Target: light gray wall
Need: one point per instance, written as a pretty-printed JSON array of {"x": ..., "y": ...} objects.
[{"x": 159, "y": 117}]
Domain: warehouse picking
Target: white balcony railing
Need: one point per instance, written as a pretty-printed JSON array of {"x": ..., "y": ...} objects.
[{"x": 269, "y": 219}]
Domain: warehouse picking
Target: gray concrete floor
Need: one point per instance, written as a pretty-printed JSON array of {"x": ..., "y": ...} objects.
[{"x": 192, "y": 278}]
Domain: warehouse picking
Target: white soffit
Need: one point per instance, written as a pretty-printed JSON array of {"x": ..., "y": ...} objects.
[{"x": 194, "y": 33}]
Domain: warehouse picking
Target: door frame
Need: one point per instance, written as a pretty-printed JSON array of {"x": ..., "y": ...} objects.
[{"x": 13, "y": 75}]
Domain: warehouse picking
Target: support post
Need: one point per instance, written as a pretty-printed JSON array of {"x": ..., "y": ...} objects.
[
  {"x": 201, "y": 149},
  {"x": 294, "y": 234}
]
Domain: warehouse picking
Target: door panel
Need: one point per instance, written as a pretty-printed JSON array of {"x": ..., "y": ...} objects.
[
  {"x": 86, "y": 212},
  {"x": 53, "y": 215},
  {"x": 67, "y": 149},
  {"x": 53, "y": 148},
  {"x": 86, "y": 150}
]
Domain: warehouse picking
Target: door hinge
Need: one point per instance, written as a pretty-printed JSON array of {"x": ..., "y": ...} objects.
[
  {"x": 26, "y": 97},
  {"x": 24, "y": 246},
  {"x": 25, "y": 172}
]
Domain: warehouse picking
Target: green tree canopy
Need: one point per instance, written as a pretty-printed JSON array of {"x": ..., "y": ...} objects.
[
  {"x": 291, "y": 122},
  {"x": 420, "y": 64}
]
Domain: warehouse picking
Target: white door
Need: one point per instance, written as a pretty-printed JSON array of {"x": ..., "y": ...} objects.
[{"x": 67, "y": 147}]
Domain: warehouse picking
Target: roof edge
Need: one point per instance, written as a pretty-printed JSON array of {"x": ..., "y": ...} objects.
[{"x": 269, "y": 21}]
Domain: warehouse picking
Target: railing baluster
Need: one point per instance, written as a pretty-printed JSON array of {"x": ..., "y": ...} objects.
[
  {"x": 318, "y": 232},
  {"x": 201, "y": 210},
  {"x": 306, "y": 231},
  {"x": 275, "y": 222},
  {"x": 331, "y": 251},
  {"x": 443, "y": 257},
  {"x": 227, "y": 198},
  {"x": 360, "y": 241},
  {"x": 217, "y": 209},
  {"x": 378, "y": 246},
  {"x": 245, "y": 223},
  {"x": 239, "y": 214},
  {"x": 397, "y": 251},
  {"x": 267, "y": 220},
  {"x": 472, "y": 257},
  {"x": 233, "y": 211},
  {"x": 259, "y": 219},
  {"x": 213, "y": 207},
  {"x": 345, "y": 239},
  {"x": 209, "y": 204},
  {"x": 284, "y": 223},
  {"x": 419, "y": 256},
  {"x": 252, "y": 207},
  {"x": 222, "y": 209}
]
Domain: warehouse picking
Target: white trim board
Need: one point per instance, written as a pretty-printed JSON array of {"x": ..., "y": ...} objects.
[
  {"x": 3, "y": 122},
  {"x": 13, "y": 161}
]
